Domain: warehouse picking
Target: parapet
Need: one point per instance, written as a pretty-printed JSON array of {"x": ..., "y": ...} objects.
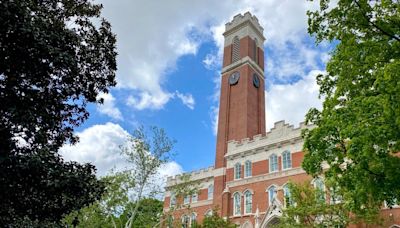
[
  {"x": 281, "y": 133},
  {"x": 239, "y": 19},
  {"x": 194, "y": 175}
]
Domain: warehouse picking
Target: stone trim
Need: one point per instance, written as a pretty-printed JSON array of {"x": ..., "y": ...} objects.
[
  {"x": 264, "y": 177},
  {"x": 245, "y": 60}
]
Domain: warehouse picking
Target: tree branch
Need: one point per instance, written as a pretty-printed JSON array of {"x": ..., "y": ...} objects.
[{"x": 374, "y": 24}]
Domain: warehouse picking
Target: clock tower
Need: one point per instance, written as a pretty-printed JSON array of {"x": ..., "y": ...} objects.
[{"x": 242, "y": 99}]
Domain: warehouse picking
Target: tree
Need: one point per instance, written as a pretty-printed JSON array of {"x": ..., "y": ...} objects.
[
  {"x": 147, "y": 152},
  {"x": 114, "y": 208},
  {"x": 54, "y": 60},
  {"x": 311, "y": 208},
  {"x": 215, "y": 221},
  {"x": 357, "y": 132}
]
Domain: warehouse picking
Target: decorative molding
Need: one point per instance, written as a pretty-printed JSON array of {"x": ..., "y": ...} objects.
[
  {"x": 246, "y": 60},
  {"x": 265, "y": 177}
]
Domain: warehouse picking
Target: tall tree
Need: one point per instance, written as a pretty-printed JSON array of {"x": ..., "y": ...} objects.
[
  {"x": 147, "y": 152},
  {"x": 54, "y": 59},
  {"x": 357, "y": 132}
]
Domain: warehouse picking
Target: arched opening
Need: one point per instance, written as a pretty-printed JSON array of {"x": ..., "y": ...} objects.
[{"x": 272, "y": 222}]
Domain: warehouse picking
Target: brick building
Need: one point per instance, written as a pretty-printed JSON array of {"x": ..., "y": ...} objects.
[{"x": 252, "y": 166}]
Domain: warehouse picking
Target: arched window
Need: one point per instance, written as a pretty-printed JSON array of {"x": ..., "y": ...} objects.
[
  {"x": 287, "y": 195},
  {"x": 320, "y": 186},
  {"x": 286, "y": 160},
  {"x": 193, "y": 220},
  {"x": 236, "y": 203},
  {"x": 185, "y": 221},
  {"x": 235, "y": 49},
  {"x": 248, "y": 202},
  {"x": 210, "y": 191},
  {"x": 255, "y": 54},
  {"x": 247, "y": 169},
  {"x": 238, "y": 171},
  {"x": 273, "y": 163},
  {"x": 170, "y": 221},
  {"x": 172, "y": 202},
  {"x": 208, "y": 213},
  {"x": 271, "y": 194}
]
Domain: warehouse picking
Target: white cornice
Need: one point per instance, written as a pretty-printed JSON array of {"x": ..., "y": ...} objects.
[{"x": 245, "y": 60}]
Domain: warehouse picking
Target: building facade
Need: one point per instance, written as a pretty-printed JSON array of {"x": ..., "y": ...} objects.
[{"x": 248, "y": 182}]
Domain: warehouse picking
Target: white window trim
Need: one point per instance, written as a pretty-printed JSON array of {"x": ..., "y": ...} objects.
[
  {"x": 208, "y": 192},
  {"x": 283, "y": 160},
  {"x": 240, "y": 204},
  {"x": 245, "y": 170},
  {"x": 170, "y": 201},
  {"x": 286, "y": 187},
  {"x": 245, "y": 202},
  {"x": 235, "y": 170},
  {"x": 184, "y": 200},
  {"x": 269, "y": 197},
  {"x": 270, "y": 163},
  {"x": 195, "y": 199}
]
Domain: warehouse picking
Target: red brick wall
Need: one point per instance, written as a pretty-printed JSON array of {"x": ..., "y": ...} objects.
[{"x": 262, "y": 167}]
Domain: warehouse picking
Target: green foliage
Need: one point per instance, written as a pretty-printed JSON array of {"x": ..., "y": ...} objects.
[
  {"x": 114, "y": 208},
  {"x": 310, "y": 208},
  {"x": 47, "y": 188},
  {"x": 215, "y": 221},
  {"x": 147, "y": 152},
  {"x": 149, "y": 213},
  {"x": 53, "y": 61},
  {"x": 358, "y": 130}
]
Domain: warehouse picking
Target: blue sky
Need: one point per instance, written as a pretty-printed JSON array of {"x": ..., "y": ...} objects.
[{"x": 168, "y": 75}]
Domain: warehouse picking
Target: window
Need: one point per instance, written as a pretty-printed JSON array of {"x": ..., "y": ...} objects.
[
  {"x": 319, "y": 185},
  {"x": 194, "y": 198},
  {"x": 170, "y": 221},
  {"x": 185, "y": 221},
  {"x": 248, "y": 202},
  {"x": 247, "y": 169},
  {"x": 287, "y": 160},
  {"x": 209, "y": 213},
  {"x": 193, "y": 219},
  {"x": 287, "y": 196},
  {"x": 336, "y": 197},
  {"x": 210, "y": 191},
  {"x": 273, "y": 163},
  {"x": 186, "y": 200},
  {"x": 238, "y": 171},
  {"x": 271, "y": 194},
  {"x": 172, "y": 202},
  {"x": 235, "y": 49},
  {"x": 236, "y": 203}
]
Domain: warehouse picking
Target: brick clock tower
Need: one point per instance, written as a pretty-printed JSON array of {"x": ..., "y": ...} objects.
[{"x": 242, "y": 99}]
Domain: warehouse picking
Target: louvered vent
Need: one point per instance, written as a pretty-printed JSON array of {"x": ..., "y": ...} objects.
[{"x": 236, "y": 49}]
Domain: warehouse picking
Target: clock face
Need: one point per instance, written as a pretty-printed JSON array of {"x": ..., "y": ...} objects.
[
  {"x": 234, "y": 78},
  {"x": 256, "y": 80}
]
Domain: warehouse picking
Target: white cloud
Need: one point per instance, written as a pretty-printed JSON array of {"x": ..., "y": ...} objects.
[
  {"x": 290, "y": 102},
  {"x": 187, "y": 99},
  {"x": 100, "y": 145},
  {"x": 108, "y": 107},
  {"x": 211, "y": 62},
  {"x": 152, "y": 35},
  {"x": 147, "y": 100}
]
